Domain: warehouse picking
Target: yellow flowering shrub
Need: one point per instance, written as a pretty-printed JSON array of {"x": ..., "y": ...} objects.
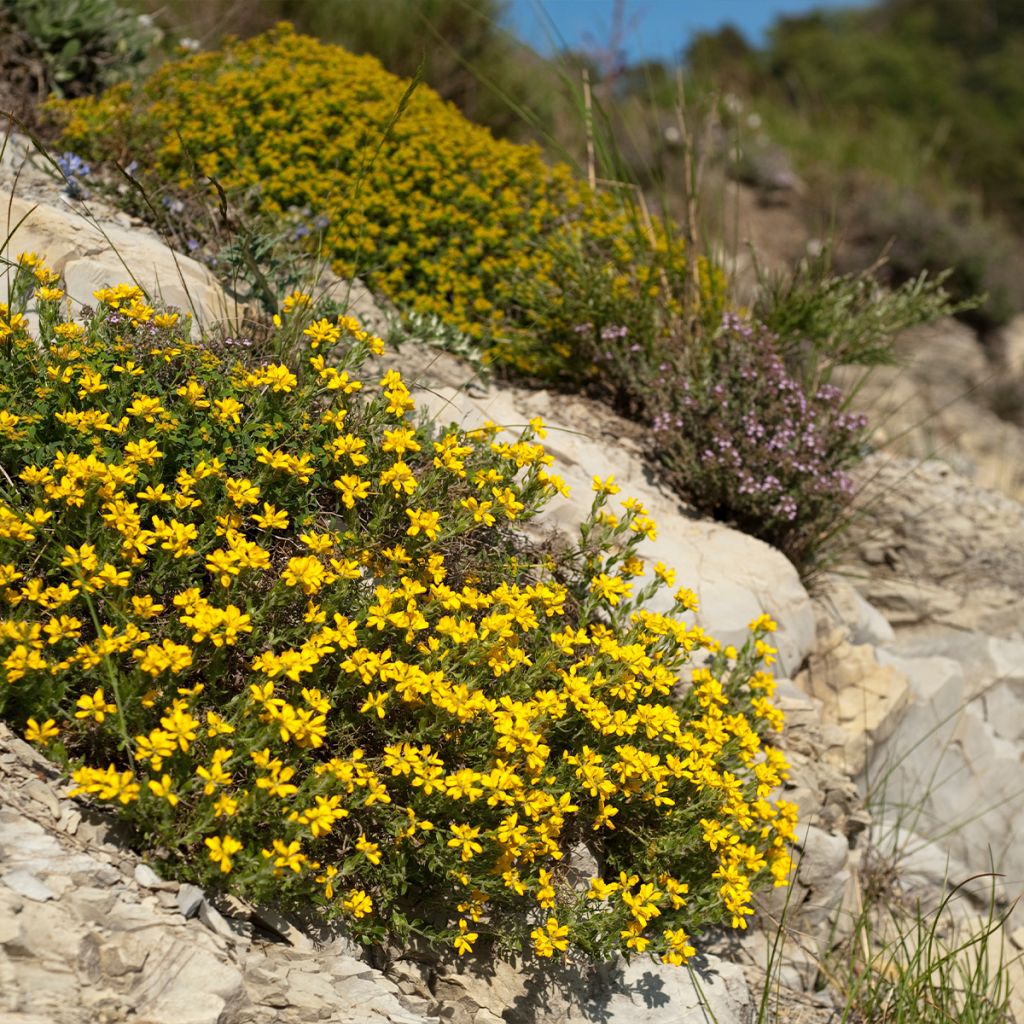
[
  {"x": 292, "y": 635},
  {"x": 430, "y": 209}
]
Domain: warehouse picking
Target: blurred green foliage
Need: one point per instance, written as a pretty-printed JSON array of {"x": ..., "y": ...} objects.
[
  {"x": 905, "y": 116},
  {"x": 939, "y": 77},
  {"x": 79, "y": 47}
]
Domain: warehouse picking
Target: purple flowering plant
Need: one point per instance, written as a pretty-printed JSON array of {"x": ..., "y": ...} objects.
[{"x": 738, "y": 434}]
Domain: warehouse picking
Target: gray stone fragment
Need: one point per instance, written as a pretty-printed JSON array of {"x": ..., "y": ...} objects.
[
  {"x": 70, "y": 819},
  {"x": 91, "y": 905},
  {"x": 267, "y": 917},
  {"x": 98, "y": 873},
  {"x": 149, "y": 879},
  {"x": 309, "y": 991},
  {"x": 233, "y": 931},
  {"x": 485, "y": 1016},
  {"x": 134, "y": 917},
  {"x": 26, "y": 884},
  {"x": 41, "y": 793},
  {"x": 867, "y": 625},
  {"x": 190, "y": 899},
  {"x": 824, "y": 856}
]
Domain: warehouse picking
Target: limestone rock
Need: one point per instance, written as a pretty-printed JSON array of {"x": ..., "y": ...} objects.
[
  {"x": 190, "y": 899},
  {"x": 640, "y": 992},
  {"x": 929, "y": 548},
  {"x": 866, "y": 624},
  {"x": 958, "y": 782},
  {"x": 90, "y": 258},
  {"x": 858, "y": 694},
  {"x": 933, "y": 406},
  {"x": 26, "y": 884}
]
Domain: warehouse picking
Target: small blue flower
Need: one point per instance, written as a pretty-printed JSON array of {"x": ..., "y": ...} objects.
[{"x": 73, "y": 166}]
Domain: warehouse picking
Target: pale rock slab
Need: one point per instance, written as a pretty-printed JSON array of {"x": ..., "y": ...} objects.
[
  {"x": 640, "y": 992},
  {"x": 958, "y": 782},
  {"x": 866, "y": 624},
  {"x": 862, "y": 696},
  {"x": 92, "y": 256}
]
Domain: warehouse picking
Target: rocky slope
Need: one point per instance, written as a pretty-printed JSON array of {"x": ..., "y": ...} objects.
[{"x": 911, "y": 660}]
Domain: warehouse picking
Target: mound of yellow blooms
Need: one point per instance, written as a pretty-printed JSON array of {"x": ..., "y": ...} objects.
[
  {"x": 428, "y": 208},
  {"x": 293, "y": 636}
]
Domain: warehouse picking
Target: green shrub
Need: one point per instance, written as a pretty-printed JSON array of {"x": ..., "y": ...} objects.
[
  {"x": 295, "y": 639},
  {"x": 80, "y": 46},
  {"x": 822, "y": 319},
  {"x": 427, "y": 208}
]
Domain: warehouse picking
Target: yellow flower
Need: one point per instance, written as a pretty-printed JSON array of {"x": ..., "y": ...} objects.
[
  {"x": 222, "y": 850},
  {"x": 633, "y": 937},
  {"x": 225, "y": 806},
  {"x": 423, "y": 521},
  {"x": 600, "y": 890},
  {"x": 678, "y": 949},
  {"x": 400, "y": 440},
  {"x": 321, "y": 332},
  {"x": 506, "y": 498},
  {"x": 352, "y": 489},
  {"x": 463, "y": 942},
  {"x": 95, "y": 707},
  {"x": 481, "y": 510},
  {"x": 271, "y": 518},
  {"x": 293, "y": 300},
  {"x": 323, "y": 815},
  {"x": 551, "y": 938},
  {"x": 287, "y": 856},
  {"x": 606, "y": 486},
  {"x": 327, "y": 880},
  {"x": 163, "y": 790},
  {"x": 228, "y": 410},
  {"x": 665, "y": 574},
  {"x": 162, "y": 657},
  {"x": 357, "y": 903},
  {"x": 465, "y": 841},
  {"x": 41, "y": 734},
  {"x": 399, "y": 476},
  {"x": 278, "y": 377},
  {"x": 242, "y": 492},
  {"x": 546, "y": 893},
  {"x": 374, "y": 703},
  {"x": 371, "y": 851},
  {"x": 307, "y": 572},
  {"x": 611, "y": 588},
  {"x": 180, "y": 726}
]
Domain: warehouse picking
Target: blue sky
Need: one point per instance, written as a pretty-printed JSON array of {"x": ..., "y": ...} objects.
[{"x": 652, "y": 28}]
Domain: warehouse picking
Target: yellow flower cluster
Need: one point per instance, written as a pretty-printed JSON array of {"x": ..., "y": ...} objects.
[
  {"x": 429, "y": 209},
  {"x": 306, "y": 648}
]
